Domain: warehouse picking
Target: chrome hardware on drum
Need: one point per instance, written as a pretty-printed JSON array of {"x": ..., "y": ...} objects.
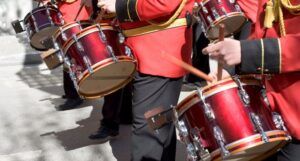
[
  {"x": 229, "y": 120},
  {"x": 214, "y": 12},
  {"x": 97, "y": 66},
  {"x": 41, "y": 23},
  {"x": 55, "y": 57},
  {"x": 66, "y": 31}
]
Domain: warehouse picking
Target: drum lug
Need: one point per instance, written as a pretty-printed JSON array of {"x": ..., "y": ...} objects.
[
  {"x": 215, "y": 13},
  {"x": 79, "y": 25},
  {"x": 34, "y": 23},
  {"x": 224, "y": 11},
  {"x": 55, "y": 44},
  {"x": 78, "y": 44},
  {"x": 232, "y": 1},
  {"x": 238, "y": 8},
  {"x": 218, "y": 134},
  {"x": 61, "y": 18},
  {"x": 63, "y": 35},
  {"x": 111, "y": 52},
  {"x": 204, "y": 9},
  {"x": 199, "y": 148},
  {"x": 180, "y": 125},
  {"x": 49, "y": 16},
  {"x": 191, "y": 153},
  {"x": 245, "y": 97},
  {"x": 121, "y": 38},
  {"x": 207, "y": 108},
  {"x": 278, "y": 121},
  {"x": 101, "y": 34},
  {"x": 128, "y": 51},
  {"x": 258, "y": 126},
  {"x": 87, "y": 63},
  {"x": 210, "y": 21},
  {"x": 60, "y": 55},
  {"x": 184, "y": 137},
  {"x": 264, "y": 95},
  {"x": 71, "y": 72},
  {"x": 108, "y": 47},
  {"x": 86, "y": 60},
  {"x": 203, "y": 29}
]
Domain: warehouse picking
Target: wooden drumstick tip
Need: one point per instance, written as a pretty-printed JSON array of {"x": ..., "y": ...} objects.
[{"x": 187, "y": 67}]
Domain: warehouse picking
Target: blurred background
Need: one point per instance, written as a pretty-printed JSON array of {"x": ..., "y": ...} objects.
[{"x": 11, "y": 10}]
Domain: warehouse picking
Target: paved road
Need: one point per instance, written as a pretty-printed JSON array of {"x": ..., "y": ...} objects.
[{"x": 31, "y": 128}]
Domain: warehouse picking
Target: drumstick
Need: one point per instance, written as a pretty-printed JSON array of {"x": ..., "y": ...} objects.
[
  {"x": 187, "y": 67},
  {"x": 81, "y": 6},
  {"x": 221, "y": 38}
]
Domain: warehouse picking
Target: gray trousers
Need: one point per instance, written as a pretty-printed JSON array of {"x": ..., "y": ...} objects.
[{"x": 150, "y": 92}]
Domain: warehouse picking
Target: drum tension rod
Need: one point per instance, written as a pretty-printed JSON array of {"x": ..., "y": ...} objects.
[
  {"x": 184, "y": 136},
  {"x": 207, "y": 108},
  {"x": 34, "y": 22},
  {"x": 108, "y": 47},
  {"x": 49, "y": 15},
  {"x": 71, "y": 72},
  {"x": 202, "y": 152},
  {"x": 86, "y": 60},
  {"x": 259, "y": 127}
]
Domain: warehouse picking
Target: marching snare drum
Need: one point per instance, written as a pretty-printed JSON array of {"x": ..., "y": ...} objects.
[
  {"x": 41, "y": 23},
  {"x": 96, "y": 64},
  {"x": 55, "y": 57},
  {"x": 68, "y": 30},
  {"x": 228, "y": 120},
  {"x": 214, "y": 12}
]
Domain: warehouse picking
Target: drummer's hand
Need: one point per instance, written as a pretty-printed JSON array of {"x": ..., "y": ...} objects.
[
  {"x": 213, "y": 75},
  {"x": 227, "y": 52},
  {"x": 109, "y": 6}
]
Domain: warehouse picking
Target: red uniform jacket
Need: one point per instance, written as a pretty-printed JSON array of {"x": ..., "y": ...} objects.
[
  {"x": 150, "y": 45},
  {"x": 69, "y": 11},
  {"x": 279, "y": 56}
]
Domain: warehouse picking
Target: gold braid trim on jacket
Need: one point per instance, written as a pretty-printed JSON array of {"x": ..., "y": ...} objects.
[
  {"x": 274, "y": 13},
  {"x": 173, "y": 17}
]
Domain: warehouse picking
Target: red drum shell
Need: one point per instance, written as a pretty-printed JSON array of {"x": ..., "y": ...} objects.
[
  {"x": 242, "y": 141},
  {"x": 231, "y": 18},
  {"x": 108, "y": 75},
  {"x": 44, "y": 26},
  {"x": 69, "y": 30}
]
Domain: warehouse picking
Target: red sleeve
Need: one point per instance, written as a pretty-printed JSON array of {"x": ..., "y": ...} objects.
[
  {"x": 290, "y": 55},
  {"x": 141, "y": 10},
  {"x": 250, "y": 8},
  {"x": 271, "y": 55}
]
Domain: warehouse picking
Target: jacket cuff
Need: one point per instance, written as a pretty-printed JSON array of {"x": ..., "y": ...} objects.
[
  {"x": 260, "y": 56},
  {"x": 126, "y": 10}
]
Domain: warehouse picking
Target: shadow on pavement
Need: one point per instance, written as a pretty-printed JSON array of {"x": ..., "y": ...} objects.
[{"x": 78, "y": 137}]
